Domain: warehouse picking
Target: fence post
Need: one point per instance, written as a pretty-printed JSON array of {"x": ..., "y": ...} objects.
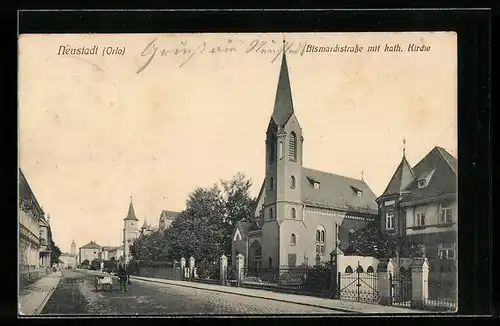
[
  {"x": 191, "y": 268},
  {"x": 183, "y": 268},
  {"x": 420, "y": 281},
  {"x": 385, "y": 270},
  {"x": 240, "y": 263},
  {"x": 334, "y": 282},
  {"x": 223, "y": 268}
]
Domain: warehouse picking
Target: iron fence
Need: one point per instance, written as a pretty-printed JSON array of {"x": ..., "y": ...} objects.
[
  {"x": 401, "y": 289},
  {"x": 314, "y": 280},
  {"x": 358, "y": 286},
  {"x": 442, "y": 291}
]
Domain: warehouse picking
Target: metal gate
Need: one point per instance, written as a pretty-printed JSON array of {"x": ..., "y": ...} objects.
[
  {"x": 401, "y": 288},
  {"x": 358, "y": 286}
]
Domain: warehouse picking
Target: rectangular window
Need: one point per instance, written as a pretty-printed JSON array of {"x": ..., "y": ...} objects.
[
  {"x": 446, "y": 251},
  {"x": 292, "y": 259},
  {"x": 446, "y": 216},
  {"x": 389, "y": 220},
  {"x": 320, "y": 249},
  {"x": 420, "y": 219}
]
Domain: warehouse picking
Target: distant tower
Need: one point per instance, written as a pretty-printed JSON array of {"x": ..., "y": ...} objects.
[
  {"x": 130, "y": 231},
  {"x": 73, "y": 248}
]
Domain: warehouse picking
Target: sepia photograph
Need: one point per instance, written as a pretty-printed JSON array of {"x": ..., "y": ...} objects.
[{"x": 222, "y": 174}]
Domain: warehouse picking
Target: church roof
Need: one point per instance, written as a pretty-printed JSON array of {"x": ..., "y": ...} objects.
[
  {"x": 131, "y": 212},
  {"x": 91, "y": 245},
  {"x": 442, "y": 181},
  {"x": 336, "y": 191},
  {"x": 145, "y": 225},
  {"x": 169, "y": 215},
  {"x": 245, "y": 227},
  {"x": 401, "y": 178},
  {"x": 283, "y": 105}
]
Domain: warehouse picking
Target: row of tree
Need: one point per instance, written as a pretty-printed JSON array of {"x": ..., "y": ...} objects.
[{"x": 203, "y": 230}]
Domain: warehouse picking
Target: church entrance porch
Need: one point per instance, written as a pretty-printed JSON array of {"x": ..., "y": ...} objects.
[{"x": 254, "y": 259}]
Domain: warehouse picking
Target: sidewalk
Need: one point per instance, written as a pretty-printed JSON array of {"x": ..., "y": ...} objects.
[
  {"x": 34, "y": 297},
  {"x": 338, "y": 305}
]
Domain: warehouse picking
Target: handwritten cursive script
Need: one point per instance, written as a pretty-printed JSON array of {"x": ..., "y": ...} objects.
[{"x": 187, "y": 51}]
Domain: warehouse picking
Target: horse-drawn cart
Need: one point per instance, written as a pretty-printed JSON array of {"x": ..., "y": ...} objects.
[{"x": 104, "y": 282}]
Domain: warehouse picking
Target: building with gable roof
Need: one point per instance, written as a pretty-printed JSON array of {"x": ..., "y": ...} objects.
[
  {"x": 301, "y": 214},
  {"x": 89, "y": 252},
  {"x": 420, "y": 203}
]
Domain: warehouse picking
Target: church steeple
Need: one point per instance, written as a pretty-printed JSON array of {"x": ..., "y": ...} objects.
[
  {"x": 131, "y": 213},
  {"x": 283, "y": 105}
]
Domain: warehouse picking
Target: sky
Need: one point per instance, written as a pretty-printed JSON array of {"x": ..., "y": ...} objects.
[{"x": 95, "y": 130}]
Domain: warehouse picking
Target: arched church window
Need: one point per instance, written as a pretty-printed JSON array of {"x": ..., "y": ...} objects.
[
  {"x": 370, "y": 270},
  {"x": 293, "y": 213},
  {"x": 348, "y": 270},
  {"x": 293, "y": 239},
  {"x": 271, "y": 183},
  {"x": 271, "y": 214},
  {"x": 292, "y": 147},
  {"x": 320, "y": 241},
  {"x": 292, "y": 182},
  {"x": 280, "y": 150}
]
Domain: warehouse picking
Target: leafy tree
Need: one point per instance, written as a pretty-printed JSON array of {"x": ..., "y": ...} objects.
[
  {"x": 85, "y": 262},
  {"x": 203, "y": 230},
  {"x": 370, "y": 241},
  {"x": 238, "y": 204},
  {"x": 96, "y": 264},
  {"x": 56, "y": 253},
  {"x": 199, "y": 229}
]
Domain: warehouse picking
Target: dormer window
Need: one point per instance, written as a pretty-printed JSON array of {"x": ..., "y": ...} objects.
[
  {"x": 316, "y": 185},
  {"x": 422, "y": 183},
  {"x": 357, "y": 191}
]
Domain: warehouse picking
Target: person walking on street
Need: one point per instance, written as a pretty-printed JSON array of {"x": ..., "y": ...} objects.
[{"x": 122, "y": 278}]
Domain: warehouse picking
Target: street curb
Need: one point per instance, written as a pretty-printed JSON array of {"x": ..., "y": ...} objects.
[
  {"x": 249, "y": 295},
  {"x": 45, "y": 300}
]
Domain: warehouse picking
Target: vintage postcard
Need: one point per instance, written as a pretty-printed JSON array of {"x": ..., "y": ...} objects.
[{"x": 238, "y": 174}]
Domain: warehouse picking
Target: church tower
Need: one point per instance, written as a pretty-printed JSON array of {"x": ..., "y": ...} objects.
[
  {"x": 73, "y": 248},
  {"x": 130, "y": 231},
  {"x": 283, "y": 171}
]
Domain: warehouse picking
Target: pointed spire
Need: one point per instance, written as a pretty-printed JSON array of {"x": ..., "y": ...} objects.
[
  {"x": 131, "y": 212},
  {"x": 283, "y": 105}
]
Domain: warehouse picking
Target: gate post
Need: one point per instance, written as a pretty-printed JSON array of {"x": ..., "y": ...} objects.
[
  {"x": 240, "y": 263},
  {"x": 191, "y": 268},
  {"x": 385, "y": 270},
  {"x": 419, "y": 281},
  {"x": 334, "y": 282},
  {"x": 223, "y": 268},
  {"x": 183, "y": 268}
]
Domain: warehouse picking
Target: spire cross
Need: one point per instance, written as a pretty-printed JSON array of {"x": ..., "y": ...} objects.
[
  {"x": 404, "y": 147},
  {"x": 362, "y": 172},
  {"x": 130, "y": 198}
]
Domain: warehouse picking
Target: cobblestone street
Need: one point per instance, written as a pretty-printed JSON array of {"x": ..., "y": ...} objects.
[{"x": 159, "y": 299}]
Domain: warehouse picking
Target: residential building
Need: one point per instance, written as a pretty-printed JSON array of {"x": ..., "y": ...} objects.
[
  {"x": 45, "y": 235},
  {"x": 420, "y": 203},
  {"x": 30, "y": 215},
  {"x": 301, "y": 214},
  {"x": 89, "y": 252},
  {"x": 68, "y": 260},
  {"x": 130, "y": 231}
]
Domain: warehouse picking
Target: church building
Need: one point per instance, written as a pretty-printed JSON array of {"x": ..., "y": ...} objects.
[{"x": 301, "y": 214}]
